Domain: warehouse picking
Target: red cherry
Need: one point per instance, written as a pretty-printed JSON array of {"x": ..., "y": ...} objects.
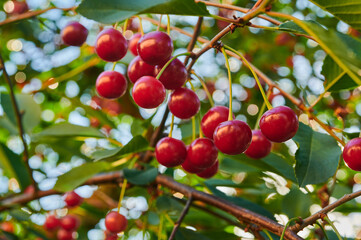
[
  {"x": 19, "y": 7},
  {"x": 170, "y": 152},
  {"x": 212, "y": 119},
  {"x": 111, "y": 45},
  {"x": 279, "y": 124},
  {"x": 7, "y": 227},
  {"x": 138, "y": 68},
  {"x": 65, "y": 235},
  {"x": 148, "y": 92},
  {"x": 232, "y": 137},
  {"x": 155, "y": 47},
  {"x": 184, "y": 103},
  {"x": 74, "y": 34},
  {"x": 209, "y": 172},
  {"x": 51, "y": 223},
  {"x": 352, "y": 154},
  {"x": 260, "y": 146},
  {"x": 111, "y": 84},
  {"x": 110, "y": 236},
  {"x": 115, "y": 222},
  {"x": 72, "y": 199},
  {"x": 69, "y": 223},
  {"x": 202, "y": 153},
  {"x": 174, "y": 76},
  {"x": 133, "y": 42}
]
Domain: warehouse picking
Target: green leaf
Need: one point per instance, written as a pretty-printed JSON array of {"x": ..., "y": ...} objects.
[
  {"x": 68, "y": 130},
  {"x": 187, "y": 234},
  {"x": 292, "y": 27},
  {"x": 316, "y": 151},
  {"x": 139, "y": 177},
  {"x": 28, "y": 107},
  {"x": 296, "y": 204},
  {"x": 20, "y": 215},
  {"x": 78, "y": 175},
  {"x": 14, "y": 166},
  {"x": 347, "y": 11},
  {"x": 111, "y": 11},
  {"x": 168, "y": 204}
]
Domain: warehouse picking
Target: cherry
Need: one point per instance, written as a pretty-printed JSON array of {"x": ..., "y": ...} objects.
[
  {"x": 115, "y": 222},
  {"x": 209, "y": 172},
  {"x": 18, "y": 7},
  {"x": 174, "y": 76},
  {"x": 110, "y": 236},
  {"x": 212, "y": 119},
  {"x": 260, "y": 146},
  {"x": 111, "y": 45},
  {"x": 74, "y": 34},
  {"x": 202, "y": 154},
  {"x": 111, "y": 84},
  {"x": 138, "y": 68},
  {"x": 133, "y": 42},
  {"x": 72, "y": 199},
  {"x": 232, "y": 137},
  {"x": 51, "y": 223},
  {"x": 7, "y": 227},
  {"x": 170, "y": 152},
  {"x": 184, "y": 103},
  {"x": 148, "y": 92},
  {"x": 188, "y": 166},
  {"x": 155, "y": 47},
  {"x": 69, "y": 223},
  {"x": 279, "y": 124},
  {"x": 65, "y": 235},
  {"x": 352, "y": 154}
]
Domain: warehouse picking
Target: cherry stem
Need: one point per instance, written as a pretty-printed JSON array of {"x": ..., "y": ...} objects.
[
  {"x": 122, "y": 192},
  {"x": 269, "y": 106},
  {"x": 209, "y": 96},
  {"x": 169, "y": 62},
  {"x": 193, "y": 128},
  {"x": 160, "y": 22},
  {"x": 125, "y": 25},
  {"x": 171, "y": 127},
  {"x": 333, "y": 226},
  {"x": 116, "y": 25},
  {"x": 168, "y": 24},
  {"x": 286, "y": 226},
  {"x": 230, "y": 115},
  {"x": 160, "y": 227},
  {"x": 262, "y": 108},
  {"x": 140, "y": 26},
  {"x": 268, "y": 234},
  {"x": 114, "y": 64},
  {"x": 323, "y": 230}
]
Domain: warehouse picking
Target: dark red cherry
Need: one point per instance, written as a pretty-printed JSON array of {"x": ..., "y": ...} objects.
[
  {"x": 184, "y": 103},
  {"x": 51, "y": 223},
  {"x": 74, "y": 34},
  {"x": 111, "y": 84},
  {"x": 133, "y": 42},
  {"x": 18, "y": 7},
  {"x": 279, "y": 124},
  {"x": 212, "y": 119},
  {"x": 232, "y": 137},
  {"x": 174, "y": 76},
  {"x": 138, "y": 68},
  {"x": 72, "y": 199},
  {"x": 260, "y": 146},
  {"x": 352, "y": 154},
  {"x": 188, "y": 166},
  {"x": 209, "y": 172},
  {"x": 115, "y": 222},
  {"x": 110, "y": 236},
  {"x": 69, "y": 223},
  {"x": 148, "y": 92},
  {"x": 202, "y": 153},
  {"x": 155, "y": 48},
  {"x": 65, "y": 235},
  {"x": 170, "y": 152},
  {"x": 111, "y": 45}
]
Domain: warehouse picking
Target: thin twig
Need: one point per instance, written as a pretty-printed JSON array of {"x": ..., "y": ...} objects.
[
  {"x": 192, "y": 43},
  {"x": 181, "y": 217}
]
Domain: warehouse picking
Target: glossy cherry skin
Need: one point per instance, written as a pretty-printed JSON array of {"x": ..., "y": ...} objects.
[
  {"x": 212, "y": 119},
  {"x": 115, "y": 222},
  {"x": 184, "y": 103},
  {"x": 260, "y": 146},
  {"x": 202, "y": 153},
  {"x": 232, "y": 137},
  {"x": 51, "y": 223},
  {"x": 65, "y": 235},
  {"x": 133, "y": 42},
  {"x": 352, "y": 154},
  {"x": 137, "y": 68},
  {"x": 148, "y": 92},
  {"x": 111, "y": 84},
  {"x": 72, "y": 199},
  {"x": 279, "y": 124},
  {"x": 111, "y": 45},
  {"x": 7, "y": 227},
  {"x": 69, "y": 223},
  {"x": 19, "y": 7},
  {"x": 209, "y": 172},
  {"x": 110, "y": 236},
  {"x": 170, "y": 152},
  {"x": 174, "y": 76},
  {"x": 74, "y": 34},
  {"x": 155, "y": 47}
]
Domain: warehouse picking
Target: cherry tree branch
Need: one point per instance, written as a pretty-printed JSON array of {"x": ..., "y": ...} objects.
[{"x": 181, "y": 217}]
